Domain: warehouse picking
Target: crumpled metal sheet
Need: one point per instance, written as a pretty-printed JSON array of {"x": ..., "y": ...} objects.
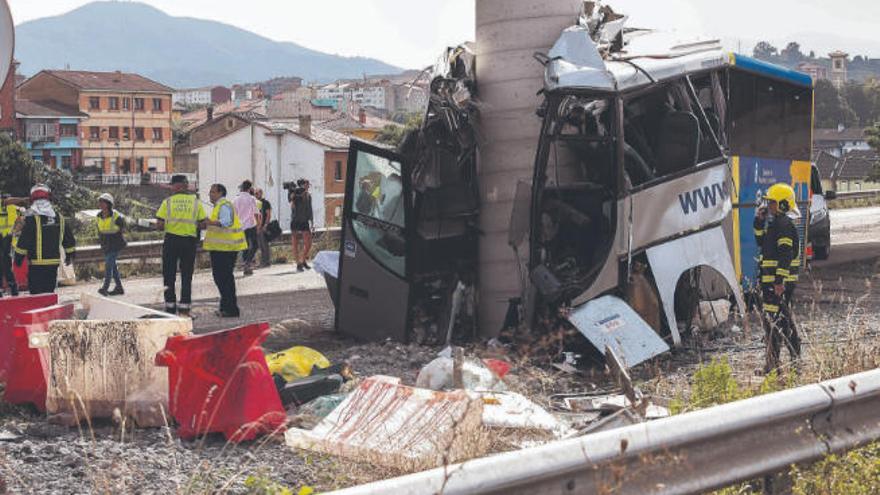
[{"x": 609, "y": 321}]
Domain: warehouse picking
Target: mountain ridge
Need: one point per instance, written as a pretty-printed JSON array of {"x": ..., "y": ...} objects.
[{"x": 213, "y": 52}]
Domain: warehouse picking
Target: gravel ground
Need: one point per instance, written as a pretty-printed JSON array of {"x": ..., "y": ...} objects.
[{"x": 835, "y": 306}]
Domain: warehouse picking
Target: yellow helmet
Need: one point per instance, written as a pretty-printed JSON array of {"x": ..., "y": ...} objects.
[{"x": 783, "y": 195}]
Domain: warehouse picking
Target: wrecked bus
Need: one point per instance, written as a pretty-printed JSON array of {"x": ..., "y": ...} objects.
[{"x": 653, "y": 154}]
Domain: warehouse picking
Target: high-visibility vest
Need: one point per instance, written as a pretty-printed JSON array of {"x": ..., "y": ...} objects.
[
  {"x": 8, "y": 216},
  {"x": 107, "y": 226},
  {"x": 182, "y": 214},
  {"x": 40, "y": 259},
  {"x": 226, "y": 239}
]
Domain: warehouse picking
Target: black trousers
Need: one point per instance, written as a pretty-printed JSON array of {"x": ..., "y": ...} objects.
[
  {"x": 178, "y": 252},
  {"x": 779, "y": 325},
  {"x": 6, "y": 264},
  {"x": 222, "y": 267},
  {"x": 42, "y": 279},
  {"x": 251, "y": 236}
]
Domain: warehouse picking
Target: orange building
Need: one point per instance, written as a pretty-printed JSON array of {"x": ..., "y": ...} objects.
[
  {"x": 128, "y": 130},
  {"x": 335, "y": 163}
]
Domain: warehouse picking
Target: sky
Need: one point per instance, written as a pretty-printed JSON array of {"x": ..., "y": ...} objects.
[{"x": 411, "y": 33}]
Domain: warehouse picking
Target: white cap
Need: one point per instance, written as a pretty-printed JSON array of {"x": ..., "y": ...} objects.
[{"x": 107, "y": 197}]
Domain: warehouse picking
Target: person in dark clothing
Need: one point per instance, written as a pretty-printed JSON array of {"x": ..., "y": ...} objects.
[
  {"x": 44, "y": 237},
  {"x": 8, "y": 216},
  {"x": 224, "y": 240},
  {"x": 777, "y": 236},
  {"x": 180, "y": 216},
  {"x": 110, "y": 227},
  {"x": 302, "y": 223},
  {"x": 262, "y": 235}
]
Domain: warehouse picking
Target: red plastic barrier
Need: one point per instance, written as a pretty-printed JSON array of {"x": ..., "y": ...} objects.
[
  {"x": 10, "y": 309},
  {"x": 220, "y": 382},
  {"x": 29, "y": 368}
]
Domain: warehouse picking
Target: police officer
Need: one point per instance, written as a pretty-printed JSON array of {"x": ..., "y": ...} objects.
[
  {"x": 44, "y": 236},
  {"x": 8, "y": 216},
  {"x": 180, "y": 216},
  {"x": 779, "y": 242},
  {"x": 224, "y": 239}
]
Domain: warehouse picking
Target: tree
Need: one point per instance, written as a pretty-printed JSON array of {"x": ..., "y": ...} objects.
[
  {"x": 873, "y": 134},
  {"x": 19, "y": 172},
  {"x": 791, "y": 54},
  {"x": 857, "y": 98},
  {"x": 394, "y": 134},
  {"x": 765, "y": 51},
  {"x": 832, "y": 109}
]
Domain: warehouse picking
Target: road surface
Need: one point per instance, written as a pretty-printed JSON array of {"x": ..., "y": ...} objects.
[{"x": 856, "y": 225}]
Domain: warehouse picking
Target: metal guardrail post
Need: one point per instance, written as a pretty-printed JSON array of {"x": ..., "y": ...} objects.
[{"x": 689, "y": 453}]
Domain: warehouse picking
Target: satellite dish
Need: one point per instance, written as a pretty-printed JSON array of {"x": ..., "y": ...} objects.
[{"x": 7, "y": 40}]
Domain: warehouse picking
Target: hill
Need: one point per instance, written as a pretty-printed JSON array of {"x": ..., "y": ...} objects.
[{"x": 177, "y": 51}]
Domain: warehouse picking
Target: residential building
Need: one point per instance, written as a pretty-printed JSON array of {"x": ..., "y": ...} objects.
[
  {"x": 234, "y": 148},
  {"x": 849, "y": 172},
  {"x": 198, "y": 117},
  {"x": 816, "y": 71},
  {"x": 202, "y": 96},
  {"x": 839, "y": 74},
  {"x": 51, "y": 132},
  {"x": 838, "y": 142},
  {"x": 335, "y": 168},
  {"x": 128, "y": 129},
  {"x": 358, "y": 122},
  {"x": 378, "y": 95},
  {"x": 242, "y": 92},
  {"x": 408, "y": 98},
  {"x": 7, "y": 100}
]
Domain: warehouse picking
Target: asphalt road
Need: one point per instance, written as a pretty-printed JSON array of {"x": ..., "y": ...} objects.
[{"x": 855, "y": 236}]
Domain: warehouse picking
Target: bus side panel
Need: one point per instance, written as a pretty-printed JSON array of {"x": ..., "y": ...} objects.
[{"x": 755, "y": 177}]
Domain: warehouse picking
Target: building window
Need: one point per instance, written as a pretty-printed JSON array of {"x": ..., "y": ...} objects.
[
  {"x": 113, "y": 134},
  {"x": 838, "y": 64},
  {"x": 94, "y": 133},
  {"x": 126, "y": 133},
  {"x": 157, "y": 104},
  {"x": 68, "y": 130},
  {"x": 139, "y": 104},
  {"x": 113, "y": 103},
  {"x": 140, "y": 165},
  {"x": 157, "y": 134},
  {"x": 139, "y": 133},
  {"x": 337, "y": 212},
  {"x": 126, "y": 103},
  {"x": 94, "y": 103},
  {"x": 65, "y": 162},
  {"x": 126, "y": 166},
  {"x": 337, "y": 172}
]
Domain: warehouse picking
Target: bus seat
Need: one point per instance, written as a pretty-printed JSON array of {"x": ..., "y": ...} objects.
[
  {"x": 678, "y": 143},
  {"x": 636, "y": 166}
]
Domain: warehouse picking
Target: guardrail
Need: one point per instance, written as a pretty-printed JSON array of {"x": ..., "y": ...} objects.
[
  {"x": 858, "y": 194},
  {"x": 153, "y": 249},
  {"x": 689, "y": 453}
]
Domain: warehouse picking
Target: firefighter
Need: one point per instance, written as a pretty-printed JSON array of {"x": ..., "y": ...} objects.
[
  {"x": 8, "y": 216},
  {"x": 224, "y": 239},
  {"x": 44, "y": 236},
  {"x": 778, "y": 239},
  {"x": 180, "y": 217}
]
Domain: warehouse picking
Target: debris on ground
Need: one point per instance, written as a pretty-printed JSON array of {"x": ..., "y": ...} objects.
[
  {"x": 296, "y": 363},
  {"x": 390, "y": 424},
  {"x": 440, "y": 374}
]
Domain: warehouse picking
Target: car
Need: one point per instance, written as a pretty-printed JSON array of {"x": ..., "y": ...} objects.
[{"x": 820, "y": 220}]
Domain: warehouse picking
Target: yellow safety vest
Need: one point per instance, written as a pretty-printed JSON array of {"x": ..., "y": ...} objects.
[
  {"x": 107, "y": 226},
  {"x": 226, "y": 239},
  {"x": 182, "y": 214},
  {"x": 8, "y": 216}
]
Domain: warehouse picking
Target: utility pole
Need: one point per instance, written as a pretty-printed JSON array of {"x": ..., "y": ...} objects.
[{"x": 509, "y": 32}]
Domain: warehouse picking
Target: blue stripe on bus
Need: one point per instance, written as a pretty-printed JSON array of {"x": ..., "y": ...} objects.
[{"x": 761, "y": 67}]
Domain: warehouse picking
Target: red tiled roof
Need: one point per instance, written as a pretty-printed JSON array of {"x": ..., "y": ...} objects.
[
  {"x": 30, "y": 108},
  {"x": 109, "y": 81}
]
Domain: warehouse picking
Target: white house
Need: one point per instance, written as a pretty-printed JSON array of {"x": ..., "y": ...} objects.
[
  {"x": 270, "y": 155},
  {"x": 194, "y": 96}
]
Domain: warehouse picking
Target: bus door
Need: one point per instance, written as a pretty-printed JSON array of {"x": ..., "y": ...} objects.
[
  {"x": 374, "y": 290},
  {"x": 771, "y": 110}
]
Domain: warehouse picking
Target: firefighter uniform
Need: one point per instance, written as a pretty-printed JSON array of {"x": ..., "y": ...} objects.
[
  {"x": 224, "y": 244},
  {"x": 42, "y": 240},
  {"x": 8, "y": 216},
  {"x": 181, "y": 213},
  {"x": 780, "y": 264}
]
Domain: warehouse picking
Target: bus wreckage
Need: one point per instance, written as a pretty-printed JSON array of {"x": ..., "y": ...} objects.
[{"x": 653, "y": 154}]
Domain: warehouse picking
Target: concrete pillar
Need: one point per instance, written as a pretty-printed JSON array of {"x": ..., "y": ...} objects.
[{"x": 509, "y": 32}]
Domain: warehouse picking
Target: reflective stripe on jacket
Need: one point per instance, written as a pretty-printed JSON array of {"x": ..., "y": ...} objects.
[{"x": 227, "y": 239}]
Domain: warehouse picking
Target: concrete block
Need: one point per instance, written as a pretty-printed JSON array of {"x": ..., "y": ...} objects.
[
  {"x": 106, "y": 369},
  {"x": 388, "y": 424},
  {"x": 104, "y": 308},
  {"x": 492, "y": 11}
]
